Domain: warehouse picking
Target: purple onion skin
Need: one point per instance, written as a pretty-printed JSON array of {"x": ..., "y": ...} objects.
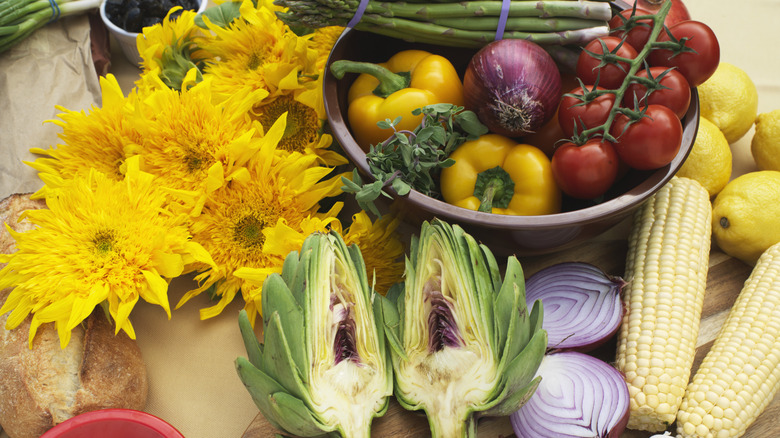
[{"x": 513, "y": 86}]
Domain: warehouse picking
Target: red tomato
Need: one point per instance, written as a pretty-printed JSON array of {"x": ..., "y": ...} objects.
[
  {"x": 638, "y": 33},
  {"x": 585, "y": 171},
  {"x": 697, "y": 65},
  {"x": 677, "y": 13},
  {"x": 590, "y": 114},
  {"x": 610, "y": 75},
  {"x": 651, "y": 142},
  {"x": 671, "y": 91}
]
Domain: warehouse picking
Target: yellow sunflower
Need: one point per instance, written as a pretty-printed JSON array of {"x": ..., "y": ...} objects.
[
  {"x": 305, "y": 120},
  {"x": 100, "y": 139},
  {"x": 254, "y": 223},
  {"x": 170, "y": 49},
  {"x": 323, "y": 39},
  {"x": 381, "y": 247},
  {"x": 257, "y": 50},
  {"x": 190, "y": 143},
  {"x": 116, "y": 242}
]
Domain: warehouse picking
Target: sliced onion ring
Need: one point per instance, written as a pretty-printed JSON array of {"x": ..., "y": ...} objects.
[
  {"x": 578, "y": 396},
  {"x": 582, "y": 304}
]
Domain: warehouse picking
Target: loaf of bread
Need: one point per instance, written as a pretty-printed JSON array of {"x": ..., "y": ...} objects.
[{"x": 46, "y": 385}]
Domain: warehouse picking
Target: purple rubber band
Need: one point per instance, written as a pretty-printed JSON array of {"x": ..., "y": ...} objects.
[
  {"x": 502, "y": 19},
  {"x": 358, "y": 14}
]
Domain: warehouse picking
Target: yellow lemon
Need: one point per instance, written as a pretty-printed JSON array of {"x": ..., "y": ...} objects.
[
  {"x": 746, "y": 215},
  {"x": 729, "y": 99},
  {"x": 709, "y": 162},
  {"x": 765, "y": 145}
]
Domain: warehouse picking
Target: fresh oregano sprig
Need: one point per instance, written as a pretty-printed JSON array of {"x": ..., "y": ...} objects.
[{"x": 412, "y": 160}]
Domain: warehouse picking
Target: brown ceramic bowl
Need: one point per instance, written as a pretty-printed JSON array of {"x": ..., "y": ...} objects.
[{"x": 503, "y": 234}]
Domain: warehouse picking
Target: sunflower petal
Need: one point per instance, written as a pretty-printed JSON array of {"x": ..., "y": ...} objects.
[{"x": 157, "y": 292}]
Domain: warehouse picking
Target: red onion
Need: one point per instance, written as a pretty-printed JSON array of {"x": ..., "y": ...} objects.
[
  {"x": 578, "y": 396},
  {"x": 582, "y": 305},
  {"x": 513, "y": 86}
]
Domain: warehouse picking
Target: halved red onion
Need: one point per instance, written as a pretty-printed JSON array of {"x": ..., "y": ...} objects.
[
  {"x": 582, "y": 304},
  {"x": 578, "y": 396}
]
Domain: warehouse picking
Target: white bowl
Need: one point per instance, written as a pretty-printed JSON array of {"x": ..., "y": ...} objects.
[{"x": 127, "y": 40}]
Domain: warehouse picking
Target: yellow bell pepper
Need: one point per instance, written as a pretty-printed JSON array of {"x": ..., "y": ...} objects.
[
  {"x": 410, "y": 79},
  {"x": 496, "y": 174}
]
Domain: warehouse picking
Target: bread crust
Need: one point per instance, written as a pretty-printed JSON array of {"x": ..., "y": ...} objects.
[{"x": 44, "y": 386}]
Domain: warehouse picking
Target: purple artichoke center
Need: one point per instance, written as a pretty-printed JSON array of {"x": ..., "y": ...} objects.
[
  {"x": 441, "y": 324},
  {"x": 344, "y": 344}
]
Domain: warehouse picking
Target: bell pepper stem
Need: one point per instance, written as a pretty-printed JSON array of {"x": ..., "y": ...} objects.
[
  {"x": 389, "y": 82},
  {"x": 494, "y": 188}
]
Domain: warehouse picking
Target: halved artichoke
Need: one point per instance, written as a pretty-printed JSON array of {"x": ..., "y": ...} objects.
[
  {"x": 464, "y": 342},
  {"x": 324, "y": 366}
]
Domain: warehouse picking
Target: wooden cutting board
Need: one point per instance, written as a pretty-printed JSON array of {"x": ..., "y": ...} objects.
[{"x": 724, "y": 282}]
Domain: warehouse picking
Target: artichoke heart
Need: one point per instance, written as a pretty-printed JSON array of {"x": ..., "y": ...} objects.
[
  {"x": 323, "y": 368},
  {"x": 465, "y": 342}
]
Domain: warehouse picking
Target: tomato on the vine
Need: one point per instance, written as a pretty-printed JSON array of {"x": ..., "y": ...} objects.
[
  {"x": 638, "y": 34},
  {"x": 583, "y": 114},
  {"x": 696, "y": 65},
  {"x": 650, "y": 142},
  {"x": 610, "y": 75},
  {"x": 585, "y": 171},
  {"x": 677, "y": 13},
  {"x": 673, "y": 91}
]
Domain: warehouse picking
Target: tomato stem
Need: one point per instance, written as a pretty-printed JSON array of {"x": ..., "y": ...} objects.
[{"x": 635, "y": 65}]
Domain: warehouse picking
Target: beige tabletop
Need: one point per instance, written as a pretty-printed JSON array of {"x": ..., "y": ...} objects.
[{"x": 193, "y": 384}]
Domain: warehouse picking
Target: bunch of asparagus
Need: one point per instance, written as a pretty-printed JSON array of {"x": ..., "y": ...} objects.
[{"x": 470, "y": 23}]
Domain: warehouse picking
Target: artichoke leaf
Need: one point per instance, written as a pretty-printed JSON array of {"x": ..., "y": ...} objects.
[
  {"x": 277, "y": 360},
  {"x": 254, "y": 348},
  {"x": 290, "y": 267},
  {"x": 278, "y": 297},
  {"x": 495, "y": 271},
  {"x": 511, "y": 295},
  {"x": 391, "y": 319},
  {"x": 299, "y": 419},
  {"x": 265, "y": 392},
  {"x": 536, "y": 315},
  {"x": 518, "y": 377}
]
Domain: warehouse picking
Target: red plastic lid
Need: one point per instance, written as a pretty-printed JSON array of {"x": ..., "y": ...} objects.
[{"x": 114, "y": 423}]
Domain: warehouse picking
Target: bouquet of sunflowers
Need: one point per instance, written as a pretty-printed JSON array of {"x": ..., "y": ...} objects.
[{"x": 217, "y": 165}]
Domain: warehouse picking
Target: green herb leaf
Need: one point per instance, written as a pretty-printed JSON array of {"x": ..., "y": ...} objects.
[
  {"x": 221, "y": 15},
  {"x": 413, "y": 160}
]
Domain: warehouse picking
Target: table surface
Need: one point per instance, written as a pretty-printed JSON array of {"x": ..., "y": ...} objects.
[{"x": 193, "y": 384}]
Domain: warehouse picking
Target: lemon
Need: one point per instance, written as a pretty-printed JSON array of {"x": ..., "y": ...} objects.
[
  {"x": 709, "y": 162},
  {"x": 729, "y": 99},
  {"x": 765, "y": 145},
  {"x": 746, "y": 215}
]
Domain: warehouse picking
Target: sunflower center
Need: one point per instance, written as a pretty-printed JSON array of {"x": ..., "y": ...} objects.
[
  {"x": 248, "y": 232},
  {"x": 302, "y": 122},
  {"x": 254, "y": 62},
  {"x": 195, "y": 159},
  {"x": 104, "y": 241}
]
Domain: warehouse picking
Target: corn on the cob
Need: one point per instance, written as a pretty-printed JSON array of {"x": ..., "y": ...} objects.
[
  {"x": 666, "y": 270},
  {"x": 741, "y": 373}
]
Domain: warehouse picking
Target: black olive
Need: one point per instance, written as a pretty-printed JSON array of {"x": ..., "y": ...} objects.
[
  {"x": 132, "y": 20},
  {"x": 151, "y": 21},
  {"x": 134, "y": 15}
]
